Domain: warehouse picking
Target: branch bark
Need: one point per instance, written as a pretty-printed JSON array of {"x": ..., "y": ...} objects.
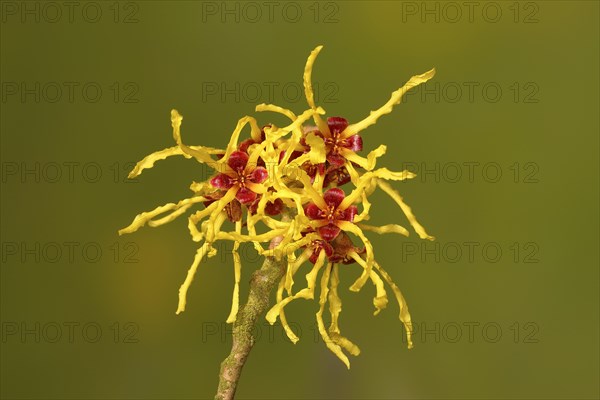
[{"x": 261, "y": 285}]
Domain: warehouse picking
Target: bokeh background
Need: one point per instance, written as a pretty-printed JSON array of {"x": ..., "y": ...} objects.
[{"x": 504, "y": 139}]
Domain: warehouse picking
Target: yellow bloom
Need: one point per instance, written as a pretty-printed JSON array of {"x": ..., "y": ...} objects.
[{"x": 288, "y": 180}]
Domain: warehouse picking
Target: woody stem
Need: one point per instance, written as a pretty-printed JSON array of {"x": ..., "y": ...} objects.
[{"x": 261, "y": 284}]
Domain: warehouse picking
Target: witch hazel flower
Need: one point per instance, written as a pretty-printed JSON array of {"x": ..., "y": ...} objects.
[
  {"x": 329, "y": 214},
  {"x": 278, "y": 188},
  {"x": 244, "y": 177}
]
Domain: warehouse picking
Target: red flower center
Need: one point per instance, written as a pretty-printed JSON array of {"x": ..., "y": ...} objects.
[
  {"x": 240, "y": 176},
  {"x": 333, "y": 214}
]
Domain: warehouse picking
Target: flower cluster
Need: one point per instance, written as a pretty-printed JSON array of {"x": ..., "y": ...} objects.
[{"x": 308, "y": 184}]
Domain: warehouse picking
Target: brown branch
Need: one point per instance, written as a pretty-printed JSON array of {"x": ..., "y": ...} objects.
[{"x": 261, "y": 284}]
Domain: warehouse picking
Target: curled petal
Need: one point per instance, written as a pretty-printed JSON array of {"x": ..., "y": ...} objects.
[
  {"x": 317, "y": 151},
  {"x": 367, "y": 163},
  {"x": 147, "y": 217},
  {"x": 334, "y": 196},
  {"x": 390, "y": 228},
  {"x": 387, "y": 107},
  {"x": 238, "y": 160},
  {"x": 149, "y": 160},
  {"x": 202, "y": 251},
  {"x": 307, "y": 293},
  {"x": 404, "y": 313},
  {"x": 406, "y": 209},
  {"x": 237, "y": 268},
  {"x": 354, "y": 143},
  {"x": 331, "y": 344},
  {"x": 259, "y": 175},
  {"x": 350, "y": 212},
  {"x": 312, "y": 211},
  {"x": 222, "y": 181},
  {"x": 337, "y": 124},
  {"x": 308, "y": 91},
  {"x": 329, "y": 232},
  {"x": 245, "y": 195}
]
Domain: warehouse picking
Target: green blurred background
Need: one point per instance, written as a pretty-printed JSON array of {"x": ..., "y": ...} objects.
[{"x": 88, "y": 314}]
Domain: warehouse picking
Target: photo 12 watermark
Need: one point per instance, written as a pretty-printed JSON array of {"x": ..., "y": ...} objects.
[
  {"x": 69, "y": 12},
  {"x": 69, "y": 332},
  {"x": 253, "y": 12},
  {"x": 468, "y": 252},
  {"x": 490, "y": 92},
  {"x": 68, "y": 252},
  {"x": 70, "y": 92},
  {"x": 266, "y": 92},
  {"x": 518, "y": 172},
  {"x": 453, "y": 12},
  {"x": 71, "y": 172},
  {"x": 489, "y": 332}
]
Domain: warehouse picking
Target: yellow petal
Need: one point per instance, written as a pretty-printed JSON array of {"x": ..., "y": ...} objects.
[
  {"x": 335, "y": 349},
  {"x": 406, "y": 209},
  {"x": 286, "y": 327},
  {"x": 385, "y": 173},
  {"x": 293, "y": 267},
  {"x": 237, "y": 269},
  {"x": 213, "y": 209},
  {"x": 212, "y": 225},
  {"x": 255, "y": 131},
  {"x": 366, "y": 264},
  {"x": 366, "y": 273},
  {"x": 275, "y": 134},
  {"x": 190, "y": 276},
  {"x": 308, "y": 91},
  {"x": 317, "y": 151},
  {"x": 335, "y": 308},
  {"x": 390, "y": 228},
  {"x": 306, "y": 293},
  {"x": 335, "y": 303},
  {"x": 354, "y": 176},
  {"x": 198, "y": 153},
  {"x": 277, "y": 109},
  {"x": 387, "y": 107},
  {"x": 146, "y": 217},
  {"x": 309, "y": 190},
  {"x": 404, "y": 313},
  {"x": 380, "y": 300},
  {"x": 345, "y": 343},
  {"x": 264, "y": 237},
  {"x": 148, "y": 161},
  {"x": 256, "y": 187},
  {"x": 233, "y": 141},
  {"x": 364, "y": 215},
  {"x": 367, "y": 163},
  {"x": 202, "y": 188},
  {"x": 254, "y": 155}
]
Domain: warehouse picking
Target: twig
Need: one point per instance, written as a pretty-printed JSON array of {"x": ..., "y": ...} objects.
[{"x": 261, "y": 284}]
